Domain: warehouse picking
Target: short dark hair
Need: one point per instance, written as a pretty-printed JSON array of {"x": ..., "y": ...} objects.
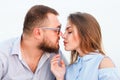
[{"x": 36, "y": 16}]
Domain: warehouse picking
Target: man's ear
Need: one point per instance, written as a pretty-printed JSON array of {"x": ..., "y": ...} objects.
[{"x": 37, "y": 33}]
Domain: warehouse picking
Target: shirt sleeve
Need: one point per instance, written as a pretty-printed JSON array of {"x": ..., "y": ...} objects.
[
  {"x": 1, "y": 70},
  {"x": 3, "y": 67},
  {"x": 109, "y": 74}
]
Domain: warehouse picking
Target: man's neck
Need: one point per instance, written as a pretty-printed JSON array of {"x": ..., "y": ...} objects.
[
  {"x": 30, "y": 53},
  {"x": 29, "y": 48}
]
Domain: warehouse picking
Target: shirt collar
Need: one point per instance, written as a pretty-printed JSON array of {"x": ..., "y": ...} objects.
[
  {"x": 47, "y": 54},
  {"x": 87, "y": 57},
  {"x": 16, "y": 47}
]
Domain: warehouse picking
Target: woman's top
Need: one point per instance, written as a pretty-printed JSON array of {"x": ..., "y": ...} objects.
[{"x": 87, "y": 68}]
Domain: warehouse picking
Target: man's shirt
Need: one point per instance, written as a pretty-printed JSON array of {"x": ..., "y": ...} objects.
[{"x": 13, "y": 67}]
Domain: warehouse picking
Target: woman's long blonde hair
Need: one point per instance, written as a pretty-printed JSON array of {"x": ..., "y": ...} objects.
[{"x": 89, "y": 32}]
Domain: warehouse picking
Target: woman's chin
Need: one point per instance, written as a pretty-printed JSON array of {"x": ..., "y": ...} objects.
[{"x": 67, "y": 49}]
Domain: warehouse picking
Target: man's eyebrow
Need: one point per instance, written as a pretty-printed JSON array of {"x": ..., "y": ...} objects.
[{"x": 59, "y": 26}]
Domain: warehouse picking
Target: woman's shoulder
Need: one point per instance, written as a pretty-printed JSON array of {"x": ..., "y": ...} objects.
[
  {"x": 106, "y": 62},
  {"x": 107, "y": 70}
]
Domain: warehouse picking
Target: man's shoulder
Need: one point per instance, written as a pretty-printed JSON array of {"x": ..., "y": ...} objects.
[
  {"x": 8, "y": 41},
  {"x": 7, "y": 44}
]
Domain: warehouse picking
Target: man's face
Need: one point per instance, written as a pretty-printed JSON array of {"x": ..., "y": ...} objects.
[
  {"x": 49, "y": 46},
  {"x": 51, "y": 36}
]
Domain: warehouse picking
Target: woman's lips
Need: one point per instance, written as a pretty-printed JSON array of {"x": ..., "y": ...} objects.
[{"x": 65, "y": 43}]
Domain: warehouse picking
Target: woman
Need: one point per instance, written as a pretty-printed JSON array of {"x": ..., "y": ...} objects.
[{"x": 88, "y": 61}]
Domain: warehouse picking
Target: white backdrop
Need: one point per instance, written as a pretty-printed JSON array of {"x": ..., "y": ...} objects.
[{"x": 107, "y": 13}]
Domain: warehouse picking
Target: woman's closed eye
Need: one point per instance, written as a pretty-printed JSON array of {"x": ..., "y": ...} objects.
[{"x": 69, "y": 32}]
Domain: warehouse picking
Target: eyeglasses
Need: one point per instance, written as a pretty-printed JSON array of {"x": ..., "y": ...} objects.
[{"x": 54, "y": 29}]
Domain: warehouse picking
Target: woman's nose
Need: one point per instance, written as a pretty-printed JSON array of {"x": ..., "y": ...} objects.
[{"x": 63, "y": 35}]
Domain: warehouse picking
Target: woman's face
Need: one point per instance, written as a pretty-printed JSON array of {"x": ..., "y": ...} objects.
[{"x": 71, "y": 37}]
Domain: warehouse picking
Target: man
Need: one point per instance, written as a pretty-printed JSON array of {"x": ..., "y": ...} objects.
[{"x": 28, "y": 57}]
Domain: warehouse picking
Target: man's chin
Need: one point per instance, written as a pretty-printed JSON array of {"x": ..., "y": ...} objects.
[{"x": 50, "y": 50}]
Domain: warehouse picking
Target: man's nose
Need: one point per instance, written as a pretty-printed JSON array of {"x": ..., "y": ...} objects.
[{"x": 60, "y": 34}]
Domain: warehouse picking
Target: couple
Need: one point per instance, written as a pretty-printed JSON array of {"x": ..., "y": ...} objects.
[{"x": 32, "y": 56}]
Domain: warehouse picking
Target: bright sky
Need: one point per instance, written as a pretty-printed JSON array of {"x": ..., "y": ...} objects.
[{"x": 107, "y": 13}]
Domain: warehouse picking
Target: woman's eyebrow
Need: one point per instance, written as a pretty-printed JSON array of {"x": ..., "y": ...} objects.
[{"x": 68, "y": 27}]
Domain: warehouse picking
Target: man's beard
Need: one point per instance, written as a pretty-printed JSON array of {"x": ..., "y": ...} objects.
[{"x": 47, "y": 46}]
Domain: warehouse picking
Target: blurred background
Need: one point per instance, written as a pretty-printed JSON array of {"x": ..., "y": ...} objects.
[{"x": 107, "y": 13}]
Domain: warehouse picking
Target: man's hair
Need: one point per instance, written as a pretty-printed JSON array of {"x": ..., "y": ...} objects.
[{"x": 36, "y": 17}]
